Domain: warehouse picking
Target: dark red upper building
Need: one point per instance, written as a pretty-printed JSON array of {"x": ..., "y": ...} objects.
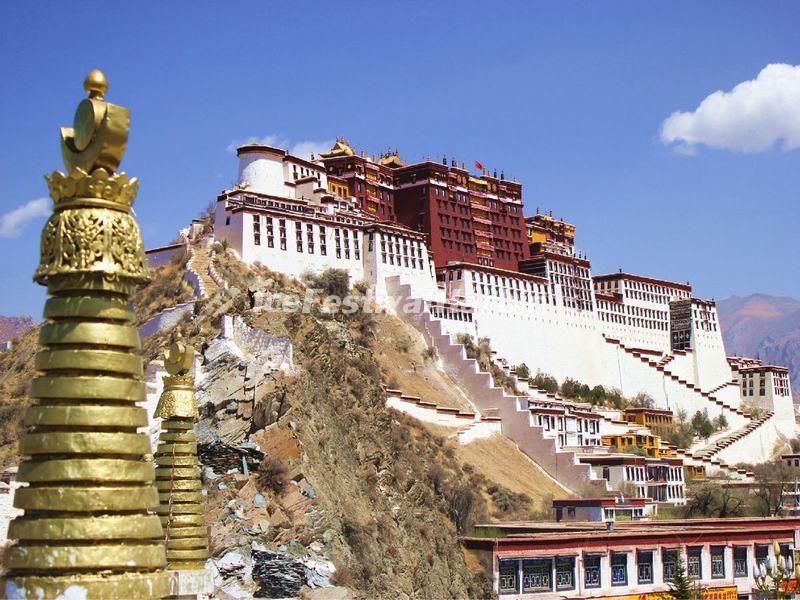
[{"x": 470, "y": 219}]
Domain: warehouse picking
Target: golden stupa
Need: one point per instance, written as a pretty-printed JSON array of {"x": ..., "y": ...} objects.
[{"x": 88, "y": 528}]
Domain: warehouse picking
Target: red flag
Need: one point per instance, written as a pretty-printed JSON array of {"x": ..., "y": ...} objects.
[{"x": 478, "y": 166}]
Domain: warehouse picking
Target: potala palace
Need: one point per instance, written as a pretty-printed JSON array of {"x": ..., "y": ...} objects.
[{"x": 452, "y": 253}]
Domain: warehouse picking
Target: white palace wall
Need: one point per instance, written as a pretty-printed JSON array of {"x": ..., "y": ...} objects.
[
  {"x": 389, "y": 253},
  {"x": 370, "y": 253},
  {"x": 287, "y": 255},
  {"x": 522, "y": 315},
  {"x": 711, "y": 368}
]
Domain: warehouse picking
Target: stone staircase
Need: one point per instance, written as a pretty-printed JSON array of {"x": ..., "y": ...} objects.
[
  {"x": 666, "y": 359},
  {"x": 199, "y": 266},
  {"x": 715, "y": 467},
  {"x": 516, "y": 421},
  {"x": 734, "y": 437},
  {"x": 469, "y": 426},
  {"x": 688, "y": 386},
  {"x": 722, "y": 386}
]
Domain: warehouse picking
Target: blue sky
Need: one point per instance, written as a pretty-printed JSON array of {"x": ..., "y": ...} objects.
[{"x": 568, "y": 97}]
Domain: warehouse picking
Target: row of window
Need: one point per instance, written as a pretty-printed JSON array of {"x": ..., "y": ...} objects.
[
  {"x": 342, "y": 238},
  {"x": 442, "y": 312},
  {"x": 558, "y": 573},
  {"x": 400, "y": 251},
  {"x": 553, "y": 423}
]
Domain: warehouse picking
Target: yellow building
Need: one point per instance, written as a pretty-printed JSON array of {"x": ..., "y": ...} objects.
[
  {"x": 651, "y": 444},
  {"x": 338, "y": 186},
  {"x": 545, "y": 228},
  {"x": 658, "y": 420}
]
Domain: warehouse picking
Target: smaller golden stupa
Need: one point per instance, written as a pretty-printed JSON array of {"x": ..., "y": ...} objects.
[{"x": 177, "y": 467}]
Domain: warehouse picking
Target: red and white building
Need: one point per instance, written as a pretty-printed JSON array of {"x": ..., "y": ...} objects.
[
  {"x": 460, "y": 243},
  {"x": 634, "y": 559}
]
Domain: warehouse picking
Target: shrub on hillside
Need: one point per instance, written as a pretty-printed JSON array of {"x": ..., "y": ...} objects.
[
  {"x": 642, "y": 400},
  {"x": 460, "y": 499},
  {"x": 511, "y": 505},
  {"x": 681, "y": 433},
  {"x": 522, "y": 371},
  {"x": 332, "y": 282},
  {"x": 701, "y": 424},
  {"x": 545, "y": 382},
  {"x": 720, "y": 422},
  {"x": 271, "y": 475}
]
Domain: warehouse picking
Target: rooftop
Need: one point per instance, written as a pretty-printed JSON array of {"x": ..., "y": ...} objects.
[{"x": 642, "y": 279}]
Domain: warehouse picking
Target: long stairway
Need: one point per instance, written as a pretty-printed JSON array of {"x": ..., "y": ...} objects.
[
  {"x": 200, "y": 266},
  {"x": 513, "y": 412},
  {"x": 690, "y": 388},
  {"x": 733, "y": 438}
]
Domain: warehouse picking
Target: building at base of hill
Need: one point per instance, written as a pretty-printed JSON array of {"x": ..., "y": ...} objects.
[
  {"x": 604, "y": 509},
  {"x": 634, "y": 559}
]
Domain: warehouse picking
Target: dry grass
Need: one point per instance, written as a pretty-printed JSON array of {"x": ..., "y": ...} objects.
[
  {"x": 166, "y": 289},
  {"x": 403, "y": 364},
  {"x": 499, "y": 460}
]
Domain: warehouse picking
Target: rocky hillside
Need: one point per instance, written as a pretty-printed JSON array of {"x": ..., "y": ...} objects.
[
  {"x": 342, "y": 478},
  {"x": 311, "y": 479},
  {"x": 11, "y": 328},
  {"x": 766, "y": 327}
]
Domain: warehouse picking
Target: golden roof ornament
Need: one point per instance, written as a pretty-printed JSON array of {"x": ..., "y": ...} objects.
[
  {"x": 340, "y": 148},
  {"x": 87, "y": 528},
  {"x": 177, "y": 468}
]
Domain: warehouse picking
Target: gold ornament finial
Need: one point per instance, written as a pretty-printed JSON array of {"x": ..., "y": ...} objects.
[
  {"x": 100, "y": 131},
  {"x": 179, "y": 358},
  {"x": 93, "y": 198},
  {"x": 95, "y": 84}
]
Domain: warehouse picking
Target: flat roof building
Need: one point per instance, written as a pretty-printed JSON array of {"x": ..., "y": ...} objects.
[{"x": 632, "y": 559}]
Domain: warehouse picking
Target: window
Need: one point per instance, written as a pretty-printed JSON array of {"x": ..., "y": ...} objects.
[
  {"x": 644, "y": 567},
  {"x": 565, "y": 573},
  {"x": 591, "y": 571},
  {"x": 508, "y": 577},
  {"x": 740, "y": 561},
  {"x": 717, "y": 562},
  {"x": 762, "y": 551},
  {"x": 619, "y": 568},
  {"x": 299, "y": 235},
  {"x": 694, "y": 565},
  {"x": 669, "y": 559},
  {"x": 536, "y": 575}
]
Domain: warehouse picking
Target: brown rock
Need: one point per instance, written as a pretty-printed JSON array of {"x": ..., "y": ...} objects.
[
  {"x": 277, "y": 441},
  {"x": 328, "y": 593}
]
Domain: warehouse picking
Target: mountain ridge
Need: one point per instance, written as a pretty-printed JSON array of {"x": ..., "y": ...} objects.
[{"x": 765, "y": 327}]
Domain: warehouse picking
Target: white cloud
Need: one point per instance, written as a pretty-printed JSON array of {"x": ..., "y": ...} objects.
[
  {"x": 307, "y": 148},
  {"x": 753, "y": 117},
  {"x": 276, "y": 141},
  {"x": 13, "y": 222},
  {"x": 301, "y": 149}
]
